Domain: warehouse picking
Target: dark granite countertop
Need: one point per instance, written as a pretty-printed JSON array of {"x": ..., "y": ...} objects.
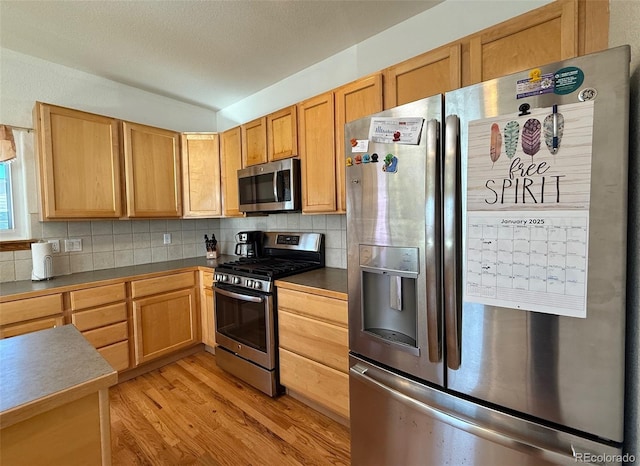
[
  {"x": 328, "y": 282},
  {"x": 63, "y": 282}
]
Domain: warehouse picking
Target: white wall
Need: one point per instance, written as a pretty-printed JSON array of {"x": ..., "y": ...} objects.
[
  {"x": 442, "y": 24},
  {"x": 25, "y": 79}
]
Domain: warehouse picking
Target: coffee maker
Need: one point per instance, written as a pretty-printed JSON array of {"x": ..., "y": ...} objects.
[{"x": 249, "y": 243}]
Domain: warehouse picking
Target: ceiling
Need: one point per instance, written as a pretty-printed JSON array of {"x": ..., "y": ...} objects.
[{"x": 208, "y": 53}]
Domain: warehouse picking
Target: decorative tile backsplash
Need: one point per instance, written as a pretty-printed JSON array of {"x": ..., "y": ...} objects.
[{"x": 110, "y": 244}]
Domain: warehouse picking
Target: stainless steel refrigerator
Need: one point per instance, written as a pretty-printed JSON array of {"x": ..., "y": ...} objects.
[{"x": 486, "y": 234}]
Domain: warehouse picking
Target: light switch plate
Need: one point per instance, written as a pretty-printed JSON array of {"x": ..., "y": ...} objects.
[
  {"x": 73, "y": 245},
  {"x": 167, "y": 238}
]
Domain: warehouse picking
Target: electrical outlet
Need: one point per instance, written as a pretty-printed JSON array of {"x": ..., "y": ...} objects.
[
  {"x": 167, "y": 238},
  {"x": 55, "y": 245},
  {"x": 73, "y": 245}
]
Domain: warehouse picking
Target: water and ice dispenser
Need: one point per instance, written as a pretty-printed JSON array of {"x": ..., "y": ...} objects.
[{"x": 389, "y": 293}]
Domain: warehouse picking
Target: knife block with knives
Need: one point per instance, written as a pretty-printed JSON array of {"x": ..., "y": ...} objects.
[{"x": 210, "y": 244}]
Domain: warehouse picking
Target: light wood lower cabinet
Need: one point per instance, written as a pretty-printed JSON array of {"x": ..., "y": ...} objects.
[
  {"x": 314, "y": 348},
  {"x": 30, "y": 315},
  {"x": 100, "y": 313},
  {"x": 159, "y": 315},
  {"x": 207, "y": 309},
  {"x": 166, "y": 321}
]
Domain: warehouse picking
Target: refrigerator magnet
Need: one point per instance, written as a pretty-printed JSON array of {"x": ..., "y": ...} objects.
[
  {"x": 358, "y": 159},
  {"x": 390, "y": 164},
  {"x": 359, "y": 145},
  {"x": 366, "y": 158},
  {"x": 374, "y": 158},
  {"x": 349, "y": 162}
]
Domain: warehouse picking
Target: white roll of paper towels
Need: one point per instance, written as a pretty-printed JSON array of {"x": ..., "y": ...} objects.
[{"x": 41, "y": 256}]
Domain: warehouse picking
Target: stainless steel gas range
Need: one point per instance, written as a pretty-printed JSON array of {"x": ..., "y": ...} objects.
[{"x": 245, "y": 305}]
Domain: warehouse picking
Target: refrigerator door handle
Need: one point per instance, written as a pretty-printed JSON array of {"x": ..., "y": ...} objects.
[
  {"x": 432, "y": 236},
  {"x": 451, "y": 219},
  {"x": 550, "y": 453}
]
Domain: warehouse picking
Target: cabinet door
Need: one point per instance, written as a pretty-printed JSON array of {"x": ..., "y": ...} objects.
[
  {"x": 282, "y": 134},
  {"x": 207, "y": 309},
  {"x": 152, "y": 167},
  {"x": 355, "y": 100},
  {"x": 431, "y": 73},
  {"x": 254, "y": 142},
  {"x": 164, "y": 323},
  {"x": 201, "y": 196},
  {"x": 231, "y": 162},
  {"x": 79, "y": 163},
  {"x": 208, "y": 319},
  {"x": 544, "y": 35},
  {"x": 317, "y": 153}
]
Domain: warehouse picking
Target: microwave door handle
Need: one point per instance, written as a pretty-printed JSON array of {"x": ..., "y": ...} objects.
[
  {"x": 242, "y": 297},
  {"x": 275, "y": 186}
]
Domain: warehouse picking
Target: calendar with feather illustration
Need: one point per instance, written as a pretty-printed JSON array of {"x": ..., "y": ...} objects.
[{"x": 528, "y": 186}]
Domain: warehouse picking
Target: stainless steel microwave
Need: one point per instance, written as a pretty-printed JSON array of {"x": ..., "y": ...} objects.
[{"x": 270, "y": 187}]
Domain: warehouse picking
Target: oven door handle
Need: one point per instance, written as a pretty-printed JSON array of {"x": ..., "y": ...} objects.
[{"x": 242, "y": 297}]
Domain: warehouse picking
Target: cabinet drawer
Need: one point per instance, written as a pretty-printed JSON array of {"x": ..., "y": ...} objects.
[
  {"x": 107, "y": 335},
  {"x": 92, "y": 297},
  {"x": 324, "y": 385},
  {"x": 99, "y": 317},
  {"x": 328, "y": 309},
  {"x": 162, "y": 284},
  {"x": 324, "y": 343},
  {"x": 117, "y": 355},
  {"x": 31, "y": 308},
  {"x": 32, "y": 326}
]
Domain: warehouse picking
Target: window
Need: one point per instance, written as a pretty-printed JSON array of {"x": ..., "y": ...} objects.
[{"x": 14, "y": 215}]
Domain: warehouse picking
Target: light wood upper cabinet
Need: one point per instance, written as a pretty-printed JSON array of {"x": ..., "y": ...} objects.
[
  {"x": 201, "y": 196},
  {"x": 282, "y": 134},
  {"x": 316, "y": 136},
  {"x": 542, "y": 36},
  {"x": 152, "y": 167},
  {"x": 352, "y": 101},
  {"x": 431, "y": 73},
  {"x": 254, "y": 142},
  {"x": 79, "y": 163},
  {"x": 231, "y": 162}
]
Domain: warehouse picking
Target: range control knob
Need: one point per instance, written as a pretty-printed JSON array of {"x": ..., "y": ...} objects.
[
  {"x": 249, "y": 283},
  {"x": 236, "y": 280},
  {"x": 224, "y": 278},
  {"x": 257, "y": 285}
]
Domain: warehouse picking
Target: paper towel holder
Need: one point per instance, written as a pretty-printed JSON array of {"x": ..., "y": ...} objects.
[{"x": 42, "y": 260}]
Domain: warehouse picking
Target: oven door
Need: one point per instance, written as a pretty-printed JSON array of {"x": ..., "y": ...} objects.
[{"x": 245, "y": 324}]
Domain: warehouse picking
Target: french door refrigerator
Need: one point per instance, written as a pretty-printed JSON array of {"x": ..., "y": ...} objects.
[{"x": 486, "y": 271}]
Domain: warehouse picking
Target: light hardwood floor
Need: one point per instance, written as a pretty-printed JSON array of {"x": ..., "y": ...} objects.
[{"x": 192, "y": 412}]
